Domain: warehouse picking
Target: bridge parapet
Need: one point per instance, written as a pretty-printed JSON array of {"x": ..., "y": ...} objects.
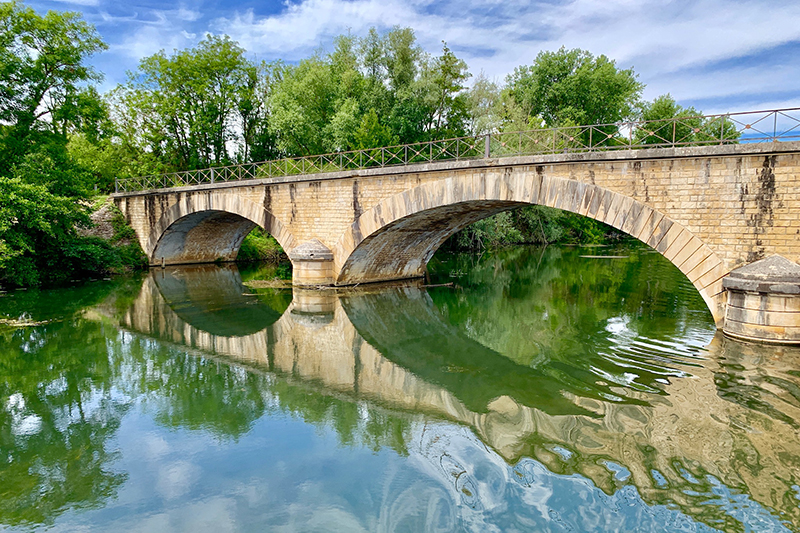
[{"x": 677, "y": 132}]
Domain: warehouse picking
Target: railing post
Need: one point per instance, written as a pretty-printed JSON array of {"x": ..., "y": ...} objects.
[
  {"x": 116, "y": 185},
  {"x": 487, "y": 146},
  {"x": 775, "y": 126},
  {"x": 212, "y": 175}
]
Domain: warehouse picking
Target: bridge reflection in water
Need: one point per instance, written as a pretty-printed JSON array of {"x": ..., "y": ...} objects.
[{"x": 709, "y": 436}]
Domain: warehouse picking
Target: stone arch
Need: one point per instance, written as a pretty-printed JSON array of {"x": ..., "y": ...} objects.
[
  {"x": 396, "y": 238},
  {"x": 207, "y": 226}
]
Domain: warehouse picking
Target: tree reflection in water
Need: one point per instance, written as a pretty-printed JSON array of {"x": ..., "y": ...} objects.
[{"x": 557, "y": 370}]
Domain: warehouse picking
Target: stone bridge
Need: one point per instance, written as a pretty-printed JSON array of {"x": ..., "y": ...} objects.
[{"x": 708, "y": 210}]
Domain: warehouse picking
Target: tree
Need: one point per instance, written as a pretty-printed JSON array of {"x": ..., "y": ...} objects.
[
  {"x": 575, "y": 87},
  {"x": 259, "y": 143},
  {"x": 667, "y": 122},
  {"x": 443, "y": 84},
  {"x": 317, "y": 105},
  {"x": 372, "y": 134},
  {"x": 189, "y": 104},
  {"x": 42, "y": 72},
  {"x": 484, "y": 100},
  {"x": 32, "y": 220},
  {"x": 401, "y": 58},
  {"x": 303, "y": 103}
]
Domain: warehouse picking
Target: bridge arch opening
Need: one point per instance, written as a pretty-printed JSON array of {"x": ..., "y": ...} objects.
[
  {"x": 398, "y": 237},
  {"x": 209, "y": 228},
  {"x": 202, "y": 237}
]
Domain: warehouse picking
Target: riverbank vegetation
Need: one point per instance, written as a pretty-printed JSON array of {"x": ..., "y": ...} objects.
[{"x": 63, "y": 142}]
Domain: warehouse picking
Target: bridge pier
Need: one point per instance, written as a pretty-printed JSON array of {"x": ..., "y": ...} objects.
[
  {"x": 312, "y": 264},
  {"x": 764, "y": 301}
]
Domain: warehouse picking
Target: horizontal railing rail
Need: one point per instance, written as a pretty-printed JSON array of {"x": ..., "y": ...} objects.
[{"x": 730, "y": 128}]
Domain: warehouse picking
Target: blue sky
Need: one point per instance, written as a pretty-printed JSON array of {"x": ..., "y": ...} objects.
[{"x": 718, "y": 55}]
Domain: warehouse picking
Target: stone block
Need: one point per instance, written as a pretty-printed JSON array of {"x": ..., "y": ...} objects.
[
  {"x": 659, "y": 232},
  {"x": 672, "y": 236},
  {"x": 691, "y": 248}
]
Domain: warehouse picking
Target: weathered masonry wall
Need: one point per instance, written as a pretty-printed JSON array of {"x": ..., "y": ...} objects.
[{"x": 707, "y": 209}]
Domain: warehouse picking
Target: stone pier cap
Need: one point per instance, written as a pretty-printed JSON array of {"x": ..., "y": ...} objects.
[
  {"x": 773, "y": 275},
  {"x": 312, "y": 264},
  {"x": 312, "y": 250},
  {"x": 764, "y": 301}
]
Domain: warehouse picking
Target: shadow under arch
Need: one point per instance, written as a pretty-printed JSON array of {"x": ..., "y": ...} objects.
[
  {"x": 210, "y": 227},
  {"x": 396, "y": 238}
]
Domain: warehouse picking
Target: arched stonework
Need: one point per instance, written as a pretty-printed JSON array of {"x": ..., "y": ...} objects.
[
  {"x": 397, "y": 237},
  {"x": 207, "y": 227}
]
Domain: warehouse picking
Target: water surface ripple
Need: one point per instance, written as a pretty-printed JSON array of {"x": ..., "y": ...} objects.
[{"x": 546, "y": 389}]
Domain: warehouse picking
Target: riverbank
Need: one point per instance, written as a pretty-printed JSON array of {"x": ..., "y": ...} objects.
[{"x": 80, "y": 241}]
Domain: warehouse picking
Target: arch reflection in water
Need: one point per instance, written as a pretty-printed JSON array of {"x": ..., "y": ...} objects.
[{"x": 717, "y": 440}]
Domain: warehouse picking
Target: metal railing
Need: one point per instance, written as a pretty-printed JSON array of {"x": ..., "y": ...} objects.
[{"x": 731, "y": 128}]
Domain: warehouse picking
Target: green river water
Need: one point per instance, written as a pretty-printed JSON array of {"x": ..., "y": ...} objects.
[{"x": 529, "y": 389}]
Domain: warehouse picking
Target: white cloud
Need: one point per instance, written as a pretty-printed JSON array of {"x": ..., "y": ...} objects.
[
  {"x": 90, "y": 3},
  {"x": 163, "y": 30},
  {"x": 661, "y": 40}
]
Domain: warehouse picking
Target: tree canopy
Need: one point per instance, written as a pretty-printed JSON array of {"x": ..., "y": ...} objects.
[
  {"x": 43, "y": 73},
  {"x": 189, "y": 107},
  {"x": 574, "y": 87}
]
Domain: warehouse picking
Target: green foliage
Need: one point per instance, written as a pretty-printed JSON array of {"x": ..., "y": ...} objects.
[
  {"x": 541, "y": 225},
  {"x": 530, "y": 225},
  {"x": 304, "y": 104},
  {"x": 372, "y": 134},
  {"x": 41, "y": 72},
  {"x": 104, "y": 161},
  {"x": 260, "y": 246},
  {"x": 677, "y": 124},
  {"x": 442, "y": 84},
  {"x": 33, "y": 221},
  {"x": 573, "y": 87},
  {"x": 52, "y": 167},
  {"x": 39, "y": 243},
  {"x": 368, "y": 92},
  {"x": 185, "y": 107},
  {"x": 122, "y": 230},
  {"x": 484, "y": 101},
  {"x": 487, "y": 233}
]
